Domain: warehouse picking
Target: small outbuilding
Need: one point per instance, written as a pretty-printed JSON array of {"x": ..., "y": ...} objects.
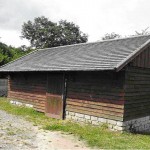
[{"x": 101, "y": 82}]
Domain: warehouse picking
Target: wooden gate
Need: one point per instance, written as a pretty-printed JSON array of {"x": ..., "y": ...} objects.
[{"x": 55, "y": 90}]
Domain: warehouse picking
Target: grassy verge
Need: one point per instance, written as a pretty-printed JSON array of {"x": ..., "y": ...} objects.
[{"x": 94, "y": 136}]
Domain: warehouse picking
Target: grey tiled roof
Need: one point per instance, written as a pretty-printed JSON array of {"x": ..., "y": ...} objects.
[{"x": 103, "y": 55}]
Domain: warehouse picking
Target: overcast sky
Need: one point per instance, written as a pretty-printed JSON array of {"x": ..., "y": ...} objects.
[{"x": 95, "y": 17}]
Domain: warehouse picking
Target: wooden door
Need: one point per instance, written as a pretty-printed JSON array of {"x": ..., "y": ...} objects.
[{"x": 54, "y": 102}]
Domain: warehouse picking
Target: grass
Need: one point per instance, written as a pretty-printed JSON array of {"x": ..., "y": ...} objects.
[{"x": 99, "y": 137}]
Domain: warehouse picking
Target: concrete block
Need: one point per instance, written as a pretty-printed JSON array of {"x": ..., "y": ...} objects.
[
  {"x": 94, "y": 118},
  {"x": 71, "y": 113},
  {"x": 87, "y": 117},
  {"x": 74, "y": 118},
  {"x": 113, "y": 122},
  {"x": 29, "y": 105},
  {"x": 19, "y": 103},
  {"x": 120, "y": 123},
  {"x": 67, "y": 112},
  {"x": 88, "y": 121},
  {"x": 103, "y": 120},
  {"x": 118, "y": 128},
  {"x": 95, "y": 122},
  {"x": 81, "y": 119},
  {"x": 68, "y": 117},
  {"x": 79, "y": 115}
]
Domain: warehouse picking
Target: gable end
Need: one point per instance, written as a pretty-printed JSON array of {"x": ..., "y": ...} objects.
[{"x": 134, "y": 55}]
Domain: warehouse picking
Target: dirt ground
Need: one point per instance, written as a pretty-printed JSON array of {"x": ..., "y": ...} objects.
[{"x": 18, "y": 134}]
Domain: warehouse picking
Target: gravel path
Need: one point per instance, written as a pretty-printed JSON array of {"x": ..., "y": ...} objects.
[{"x": 18, "y": 134}]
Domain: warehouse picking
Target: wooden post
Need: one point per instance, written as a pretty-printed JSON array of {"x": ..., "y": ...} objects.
[{"x": 64, "y": 94}]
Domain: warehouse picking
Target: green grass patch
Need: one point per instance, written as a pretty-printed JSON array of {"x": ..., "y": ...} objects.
[{"x": 99, "y": 137}]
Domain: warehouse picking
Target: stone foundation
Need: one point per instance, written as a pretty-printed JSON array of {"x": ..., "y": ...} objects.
[
  {"x": 112, "y": 124},
  {"x": 138, "y": 125},
  {"x": 135, "y": 125},
  {"x": 15, "y": 102}
]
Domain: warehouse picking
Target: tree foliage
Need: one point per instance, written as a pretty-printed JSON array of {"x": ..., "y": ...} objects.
[
  {"x": 9, "y": 53},
  {"x": 43, "y": 33},
  {"x": 142, "y": 32},
  {"x": 112, "y": 35}
]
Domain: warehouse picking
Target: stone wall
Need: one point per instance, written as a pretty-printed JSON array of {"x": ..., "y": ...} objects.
[
  {"x": 134, "y": 125},
  {"x": 16, "y": 102},
  {"x": 112, "y": 124},
  {"x": 138, "y": 125}
]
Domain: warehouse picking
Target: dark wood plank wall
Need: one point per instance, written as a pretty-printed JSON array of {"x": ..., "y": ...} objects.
[
  {"x": 137, "y": 92},
  {"x": 94, "y": 93},
  {"x": 29, "y": 88},
  {"x": 142, "y": 60},
  {"x": 137, "y": 86},
  {"x": 99, "y": 94}
]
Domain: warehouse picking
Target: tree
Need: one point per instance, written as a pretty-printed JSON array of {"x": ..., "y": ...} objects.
[
  {"x": 143, "y": 32},
  {"x": 43, "y": 33},
  {"x": 111, "y": 36},
  {"x": 5, "y": 54},
  {"x": 9, "y": 53}
]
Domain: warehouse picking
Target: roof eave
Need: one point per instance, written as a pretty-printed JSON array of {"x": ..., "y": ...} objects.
[{"x": 66, "y": 70}]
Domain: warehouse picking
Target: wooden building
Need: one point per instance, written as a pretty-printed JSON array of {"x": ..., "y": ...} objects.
[{"x": 101, "y": 82}]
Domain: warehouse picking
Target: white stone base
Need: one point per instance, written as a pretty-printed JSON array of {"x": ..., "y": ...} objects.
[
  {"x": 135, "y": 125},
  {"x": 20, "y": 103},
  {"x": 112, "y": 124}
]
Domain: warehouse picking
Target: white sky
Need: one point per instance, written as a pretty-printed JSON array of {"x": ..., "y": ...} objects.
[{"x": 95, "y": 17}]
